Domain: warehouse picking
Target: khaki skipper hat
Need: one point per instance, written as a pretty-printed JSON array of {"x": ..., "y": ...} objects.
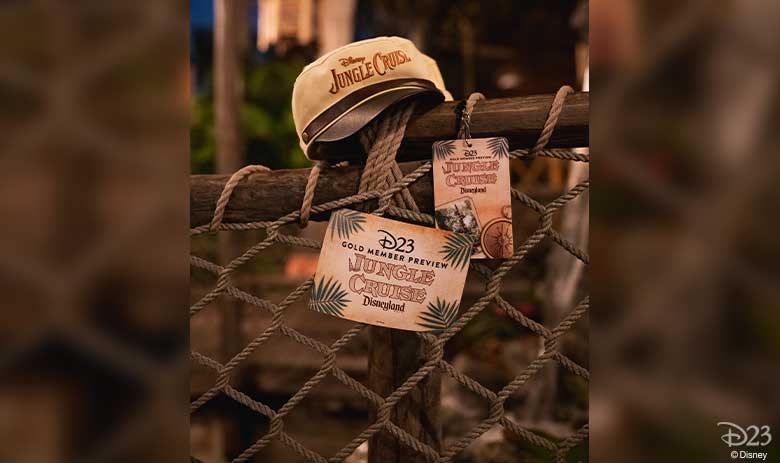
[{"x": 344, "y": 90}]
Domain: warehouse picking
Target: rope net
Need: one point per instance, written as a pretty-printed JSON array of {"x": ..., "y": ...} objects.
[{"x": 383, "y": 181}]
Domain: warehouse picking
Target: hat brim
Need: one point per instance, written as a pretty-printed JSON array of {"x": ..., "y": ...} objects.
[
  {"x": 361, "y": 115},
  {"x": 358, "y": 109}
]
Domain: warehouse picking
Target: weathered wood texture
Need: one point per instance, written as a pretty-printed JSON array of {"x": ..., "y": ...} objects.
[
  {"x": 229, "y": 22},
  {"x": 270, "y": 195},
  {"x": 519, "y": 119},
  {"x": 261, "y": 198},
  {"x": 394, "y": 355},
  {"x": 228, "y": 95}
]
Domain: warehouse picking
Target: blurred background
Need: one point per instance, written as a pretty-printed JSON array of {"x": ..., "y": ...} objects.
[
  {"x": 245, "y": 56},
  {"x": 94, "y": 111},
  {"x": 500, "y": 48},
  {"x": 685, "y": 326},
  {"x": 97, "y": 101}
]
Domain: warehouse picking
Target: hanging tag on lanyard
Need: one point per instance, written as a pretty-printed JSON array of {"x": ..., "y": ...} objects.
[{"x": 472, "y": 191}]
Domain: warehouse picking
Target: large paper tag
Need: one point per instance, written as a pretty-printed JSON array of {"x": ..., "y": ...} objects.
[
  {"x": 388, "y": 273},
  {"x": 472, "y": 193}
]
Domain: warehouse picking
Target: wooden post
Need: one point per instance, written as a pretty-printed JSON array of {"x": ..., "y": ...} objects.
[
  {"x": 230, "y": 38},
  {"x": 229, "y": 25},
  {"x": 229, "y": 32},
  {"x": 393, "y": 356}
]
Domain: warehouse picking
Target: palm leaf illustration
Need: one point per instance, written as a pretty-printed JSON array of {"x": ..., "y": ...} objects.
[
  {"x": 457, "y": 250},
  {"x": 442, "y": 149},
  {"x": 328, "y": 297},
  {"x": 499, "y": 147},
  {"x": 439, "y": 315},
  {"x": 346, "y": 222}
]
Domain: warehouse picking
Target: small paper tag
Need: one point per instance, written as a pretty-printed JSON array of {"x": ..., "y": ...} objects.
[
  {"x": 388, "y": 273},
  {"x": 472, "y": 193}
]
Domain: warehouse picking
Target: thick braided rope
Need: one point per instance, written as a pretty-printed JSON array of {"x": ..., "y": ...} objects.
[
  {"x": 308, "y": 194},
  {"x": 234, "y": 179},
  {"x": 497, "y": 412},
  {"x": 381, "y": 140},
  {"x": 433, "y": 357},
  {"x": 552, "y": 119},
  {"x": 278, "y": 324},
  {"x": 566, "y": 154},
  {"x": 492, "y": 288},
  {"x": 571, "y": 442},
  {"x": 311, "y": 185},
  {"x": 378, "y": 141}
]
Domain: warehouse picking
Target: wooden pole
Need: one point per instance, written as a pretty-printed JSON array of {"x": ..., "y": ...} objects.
[
  {"x": 260, "y": 198},
  {"x": 270, "y": 195},
  {"x": 519, "y": 119},
  {"x": 229, "y": 32},
  {"x": 229, "y": 22},
  {"x": 393, "y": 356},
  {"x": 230, "y": 36}
]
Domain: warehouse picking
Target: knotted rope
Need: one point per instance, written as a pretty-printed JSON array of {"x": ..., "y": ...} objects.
[
  {"x": 552, "y": 119},
  {"x": 227, "y": 191},
  {"x": 311, "y": 185},
  {"x": 381, "y": 140},
  {"x": 308, "y": 194},
  {"x": 383, "y": 136},
  {"x": 382, "y": 179}
]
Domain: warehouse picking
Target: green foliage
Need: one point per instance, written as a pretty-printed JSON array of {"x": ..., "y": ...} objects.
[
  {"x": 457, "y": 250},
  {"x": 439, "y": 315},
  {"x": 346, "y": 222},
  {"x": 202, "y": 145},
  {"x": 266, "y": 121},
  {"x": 328, "y": 297}
]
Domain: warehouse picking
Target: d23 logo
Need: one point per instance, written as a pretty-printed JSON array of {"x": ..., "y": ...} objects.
[
  {"x": 751, "y": 436},
  {"x": 388, "y": 241}
]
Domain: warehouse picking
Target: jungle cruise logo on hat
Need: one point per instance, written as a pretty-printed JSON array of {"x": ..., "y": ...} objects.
[
  {"x": 380, "y": 64},
  {"x": 342, "y": 91}
]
